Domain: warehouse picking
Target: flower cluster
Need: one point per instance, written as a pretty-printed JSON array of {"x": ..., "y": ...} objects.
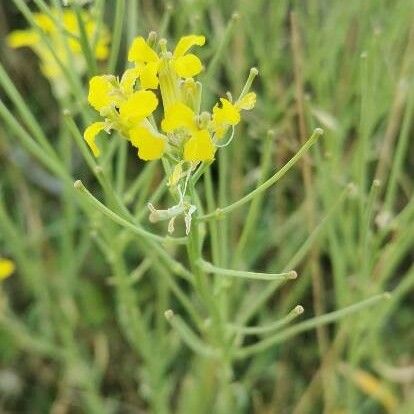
[
  {"x": 128, "y": 104},
  {"x": 185, "y": 135},
  {"x": 64, "y": 43}
]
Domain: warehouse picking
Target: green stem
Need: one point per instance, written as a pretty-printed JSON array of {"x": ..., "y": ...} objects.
[
  {"x": 308, "y": 325},
  {"x": 258, "y": 330},
  {"x": 210, "y": 268},
  {"x": 116, "y": 35},
  {"x": 118, "y": 219},
  {"x": 32, "y": 146},
  {"x": 268, "y": 183},
  {"x": 84, "y": 42},
  {"x": 25, "y": 112},
  {"x": 255, "y": 207},
  {"x": 188, "y": 336}
]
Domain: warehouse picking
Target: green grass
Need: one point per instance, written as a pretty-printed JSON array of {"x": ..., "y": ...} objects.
[{"x": 107, "y": 313}]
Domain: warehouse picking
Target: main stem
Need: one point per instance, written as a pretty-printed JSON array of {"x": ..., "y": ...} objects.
[{"x": 216, "y": 334}]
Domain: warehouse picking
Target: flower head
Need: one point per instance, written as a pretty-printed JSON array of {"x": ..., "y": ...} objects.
[
  {"x": 67, "y": 49},
  {"x": 147, "y": 63},
  {"x": 125, "y": 109},
  {"x": 181, "y": 120},
  {"x": 186, "y": 136},
  {"x": 227, "y": 114}
]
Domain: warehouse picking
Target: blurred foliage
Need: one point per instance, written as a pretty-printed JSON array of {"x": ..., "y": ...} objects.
[{"x": 82, "y": 325}]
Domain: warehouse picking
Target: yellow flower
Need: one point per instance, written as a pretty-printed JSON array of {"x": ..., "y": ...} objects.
[
  {"x": 187, "y": 65},
  {"x": 188, "y": 136},
  {"x": 102, "y": 97},
  {"x": 6, "y": 268},
  {"x": 141, "y": 52},
  {"x": 199, "y": 147},
  {"x": 228, "y": 114},
  {"x": 124, "y": 109},
  {"x": 48, "y": 62},
  {"x": 105, "y": 92},
  {"x": 147, "y": 62}
]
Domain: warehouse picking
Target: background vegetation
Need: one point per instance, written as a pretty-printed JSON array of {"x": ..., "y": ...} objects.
[{"x": 82, "y": 326}]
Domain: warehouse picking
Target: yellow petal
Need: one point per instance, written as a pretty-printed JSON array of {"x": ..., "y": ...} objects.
[
  {"x": 178, "y": 116},
  {"x": 90, "y": 134},
  {"x": 187, "y": 66},
  {"x": 90, "y": 26},
  {"x": 219, "y": 130},
  {"x": 199, "y": 147},
  {"x": 44, "y": 22},
  {"x": 75, "y": 46},
  {"x": 6, "y": 268},
  {"x": 20, "y": 38},
  {"x": 247, "y": 102},
  {"x": 100, "y": 88},
  {"x": 150, "y": 146},
  {"x": 102, "y": 49},
  {"x": 98, "y": 36},
  {"x": 186, "y": 42},
  {"x": 70, "y": 21},
  {"x": 140, "y": 51},
  {"x": 50, "y": 69},
  {"x": 128, "y": 80},
  {"x": 148, "y": 76},
  {"x": 227, "y": 114},
  {"x": 138, "y": 106}
]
